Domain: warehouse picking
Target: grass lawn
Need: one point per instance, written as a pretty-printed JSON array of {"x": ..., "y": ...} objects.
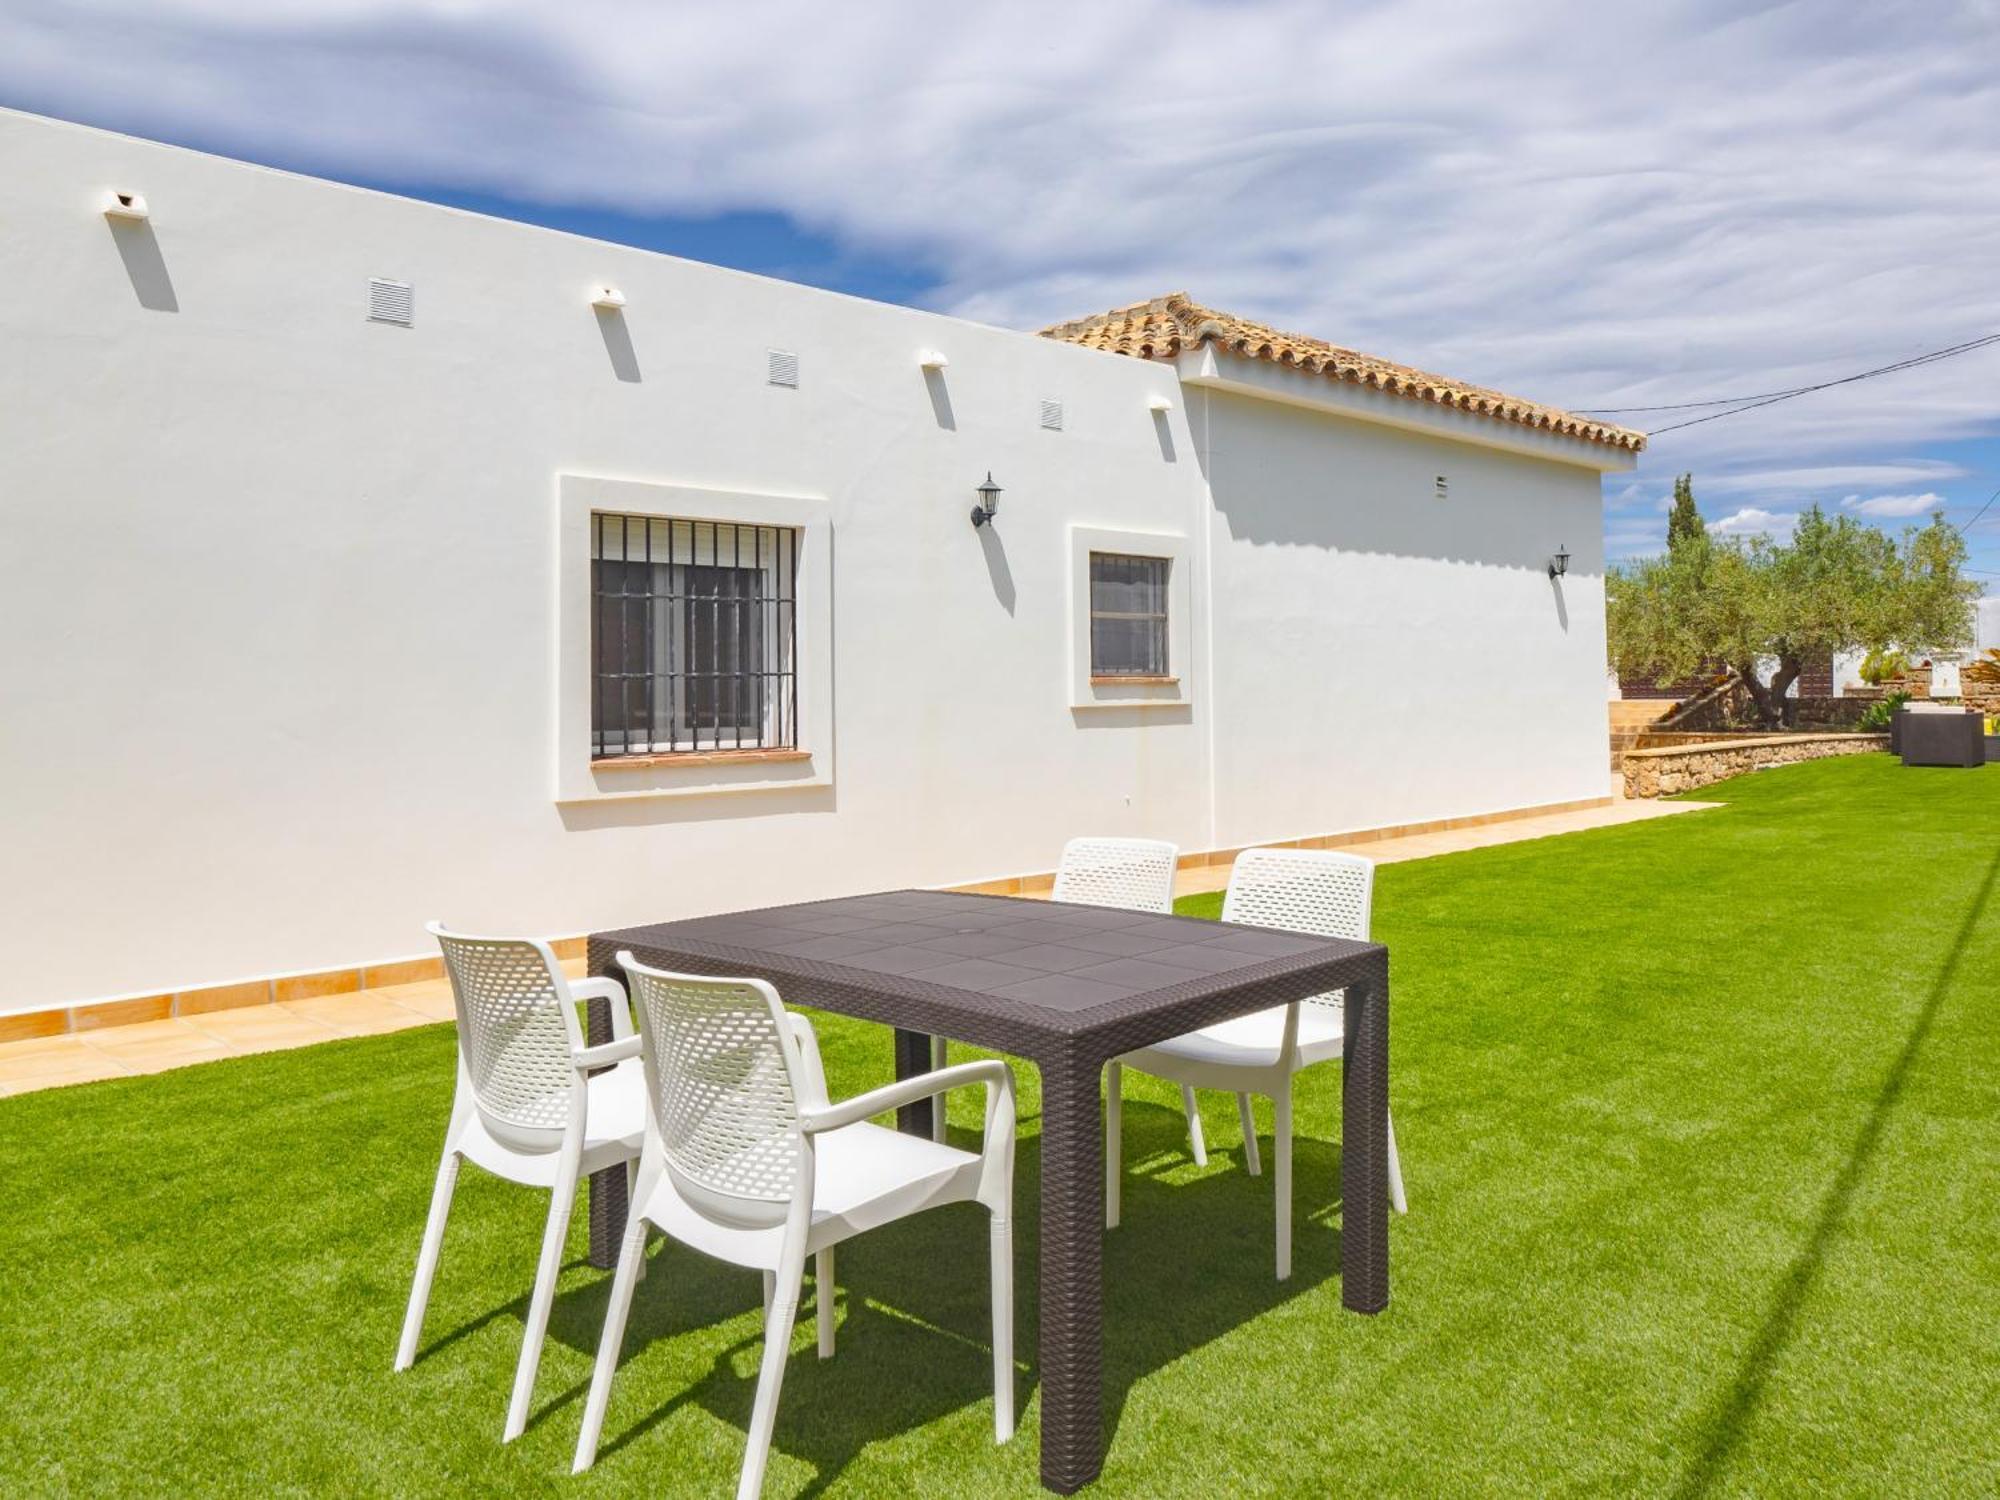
[{"x": 1701, "y": 1124}]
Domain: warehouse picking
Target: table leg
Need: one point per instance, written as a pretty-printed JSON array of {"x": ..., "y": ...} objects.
[
  {"x": 1072, "y": 1277},
  {"x": 1364, "y": 1148},
  {"x": 607, "y": 1188},
  {"x": 913, "y": 1056}
]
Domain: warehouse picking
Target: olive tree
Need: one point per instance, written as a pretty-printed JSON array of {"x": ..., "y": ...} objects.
[{"x": 1833, "y": 585}]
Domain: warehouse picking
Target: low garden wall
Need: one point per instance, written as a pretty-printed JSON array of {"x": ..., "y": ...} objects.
[{"x": 1682, "y": 768}]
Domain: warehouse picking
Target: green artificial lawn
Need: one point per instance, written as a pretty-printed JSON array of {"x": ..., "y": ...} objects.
[{"x": 1700, "y": 1119}]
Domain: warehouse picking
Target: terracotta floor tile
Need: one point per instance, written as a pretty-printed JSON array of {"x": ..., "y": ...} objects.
[
  {"x": 265, "y": 1028},
  {"x": 23, "y": 1071},
  {"x": 363, "y": 1013},
  {"x": 152, "y": 1046},
  {"x": 34, "y": 1046},
  {"x": 424, "y": 993},
  {"x": 430, "y": 1007}
]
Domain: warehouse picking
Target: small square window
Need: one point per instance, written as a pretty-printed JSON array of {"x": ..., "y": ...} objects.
[{"x": 1128, "y": 615}]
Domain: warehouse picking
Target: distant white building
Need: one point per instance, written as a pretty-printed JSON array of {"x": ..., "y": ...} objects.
[{"x": 365, "y": 561}]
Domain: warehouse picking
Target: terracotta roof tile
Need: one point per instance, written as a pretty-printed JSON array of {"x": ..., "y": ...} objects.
[{"x": 1169, "y": 325}]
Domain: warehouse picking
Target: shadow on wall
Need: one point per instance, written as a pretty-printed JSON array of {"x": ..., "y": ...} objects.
[
  {"x": 1285, "y": 476},
  {"x": 618, "y": 344},
  {"x": 1135, "y": 717},
  {"x": 1163, "y": 429},
  {"x": 139, "y": 248},
  {"x": 995, "y": 552},
  {"x": 940, "y": 395},
  {"x": 654, "y": 812}
]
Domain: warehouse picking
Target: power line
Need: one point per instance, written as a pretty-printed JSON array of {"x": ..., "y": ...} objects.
[
  {"x": 1770, "y": 398},
  {"x": 1981, "y": 511}
]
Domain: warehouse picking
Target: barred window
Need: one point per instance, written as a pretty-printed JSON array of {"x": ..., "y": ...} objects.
[
  {"x": 1128, "y": 615},
  {"x": 694, "y": 633}
]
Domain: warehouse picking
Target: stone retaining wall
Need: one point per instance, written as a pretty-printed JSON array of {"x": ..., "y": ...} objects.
[{"x": 1682, "y": 768}]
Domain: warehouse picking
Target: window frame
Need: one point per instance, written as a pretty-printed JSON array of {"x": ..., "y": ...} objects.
[
  {"x": 581, "y": 776},
  {"x": 1089, "y": 688}
]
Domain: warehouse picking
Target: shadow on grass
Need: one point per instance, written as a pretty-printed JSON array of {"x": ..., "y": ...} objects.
[
  {"x": 1725, "y": 1424},
  {"x": 1191, "y": 1261}
]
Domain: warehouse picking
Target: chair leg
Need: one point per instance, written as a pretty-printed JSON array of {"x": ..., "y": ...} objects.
[
  {"x": 823, "y": 1300},
  {"x": 427, "y": 1260},
  {"x": 554, "y": 1237},
  {"x": 1199, "y": 1146},
  {"x": 771, "y": 1372},
  {"x": 940, "y": 1051},
  {"x": 632, "y": 1197},
  {"x": 1396, "y": 1199},
  {"x": 1252, "y": 1162},
  {"x": 1114, "y": 1130},
  {"x": 1003, "y": 1328},
  {"x": 630, "y": 1257},
  {"x": 1281, "y": 1153},
  {"x": 770, "y": 1288}
]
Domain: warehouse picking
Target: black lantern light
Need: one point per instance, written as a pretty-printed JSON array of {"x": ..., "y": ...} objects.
[
  {"x": 1559, "y": 564},
  {"x": 989, "y": 501}
]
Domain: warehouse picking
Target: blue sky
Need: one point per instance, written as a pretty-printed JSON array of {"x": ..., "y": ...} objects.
[{"x": 1584, "y": 207}]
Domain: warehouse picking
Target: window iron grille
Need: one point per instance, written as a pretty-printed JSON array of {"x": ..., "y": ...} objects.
[
  {"x": 1128, "y": 615},
  {"x": 694, "y": 636}
]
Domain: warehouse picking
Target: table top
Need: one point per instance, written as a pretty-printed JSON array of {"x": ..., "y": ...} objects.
[{"x": 1017, "y": 975}]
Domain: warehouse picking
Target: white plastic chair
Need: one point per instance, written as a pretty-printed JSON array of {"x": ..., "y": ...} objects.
[
  {"x": 1299, "y": 890},
  {"x": 528, "y": 1109},
  {"x": 1132, "y": 874},
  {"x": 745, "y": 1160}
]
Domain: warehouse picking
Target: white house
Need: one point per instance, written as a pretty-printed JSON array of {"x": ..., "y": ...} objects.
[{"x": 364, "y": 561}]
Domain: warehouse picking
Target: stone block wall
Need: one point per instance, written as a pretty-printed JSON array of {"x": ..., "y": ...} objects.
[{"x": 1682, "y": 768}]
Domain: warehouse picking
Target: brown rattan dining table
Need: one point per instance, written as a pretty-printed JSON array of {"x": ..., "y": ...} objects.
[{"x": 1067, "y": 988}]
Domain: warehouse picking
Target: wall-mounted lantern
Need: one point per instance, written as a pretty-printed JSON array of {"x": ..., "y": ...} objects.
[
  {"x": 1159, "y": 406},
  {"x": 1559, "y": 564},
  {"x": 123, "y": 205},
  {"x": 607, "y": 298},
  {"x": 989, "y": 501},
  {"x": 931, "y": 359}
]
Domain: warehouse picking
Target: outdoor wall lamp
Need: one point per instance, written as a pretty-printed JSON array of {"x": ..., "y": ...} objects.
[
  {"x": 607, "y": 299},
  {"x": 989, "y": 501},
  {"x": 1559, "y": 564}
]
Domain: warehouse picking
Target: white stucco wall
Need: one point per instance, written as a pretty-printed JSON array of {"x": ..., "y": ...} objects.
[
  {"x": 1384, "y": 656},
  {"x": 280, "y": 586}
]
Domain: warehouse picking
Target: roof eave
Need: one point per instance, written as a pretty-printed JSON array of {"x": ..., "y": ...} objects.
[{"x": 1206, "y": 367}]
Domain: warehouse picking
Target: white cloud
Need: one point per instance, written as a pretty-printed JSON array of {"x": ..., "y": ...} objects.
[
  {"x": 1826, "y": 481},
  {"x": 1886, "y": 506},
  {"x": 1750, "y": 521},
  {"x": 1770, "y": 194}
]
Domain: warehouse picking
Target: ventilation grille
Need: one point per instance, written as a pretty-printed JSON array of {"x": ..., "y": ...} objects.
[
  {"x": 1052, "y": 415},
  {"x": 390, "y": 302},
  {"x": 783, "y": 367},
  {"x": 1443, "y": 489}
]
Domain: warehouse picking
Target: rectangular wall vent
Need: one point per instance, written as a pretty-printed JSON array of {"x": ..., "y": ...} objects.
[
  {"x": 390, "y": 301},
  {"x": 783, "y": 369},
  {"x": 1052, "y": 415},
  {"x": 1443, "y": 487}
]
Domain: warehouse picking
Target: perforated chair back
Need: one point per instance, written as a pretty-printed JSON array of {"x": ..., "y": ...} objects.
[
  {"x": 723, "y": 1083},
  {"x": 516, "y": 1031},
  {"x": 1136, "y": 874},
  {"x": 1302, "y": 890}
]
